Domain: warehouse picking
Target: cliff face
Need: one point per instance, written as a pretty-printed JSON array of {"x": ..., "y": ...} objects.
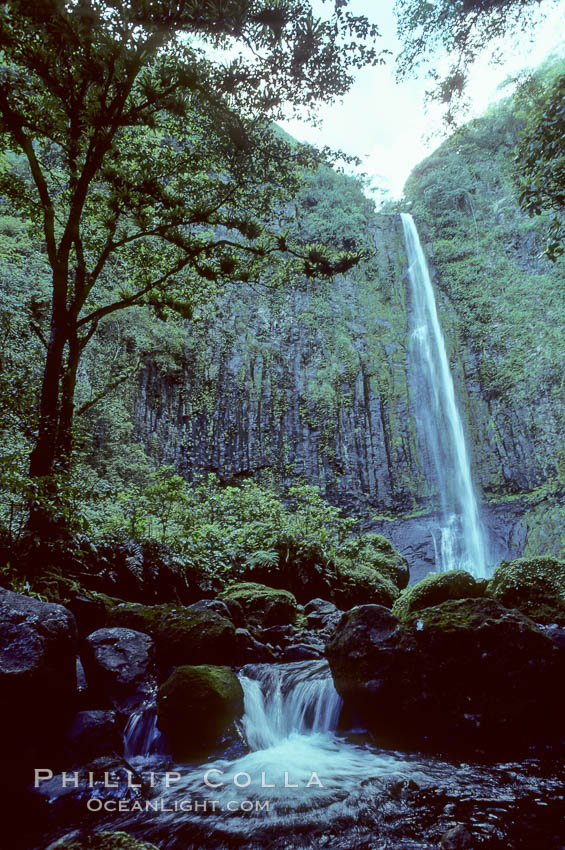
[
  {"x": 316, "y": 380},
  {"x": 311, "y": 382}
]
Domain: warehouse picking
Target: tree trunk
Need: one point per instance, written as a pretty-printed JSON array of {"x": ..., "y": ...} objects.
[
  {"x": 67, "y": 405},
  {"x": 46, "y": 458}
]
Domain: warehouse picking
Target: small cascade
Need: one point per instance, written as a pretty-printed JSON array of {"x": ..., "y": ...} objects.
[
  {"x": 141, "y": 735},
  {"x": 281, "y": 699},
  {"x": 459, "y": 541}
]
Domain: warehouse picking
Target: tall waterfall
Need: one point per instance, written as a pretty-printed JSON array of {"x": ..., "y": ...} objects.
[{"x": 459, "y": 540}]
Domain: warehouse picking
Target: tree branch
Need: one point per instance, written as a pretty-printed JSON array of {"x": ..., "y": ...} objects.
[
  {"x": 109, "y": 388},
  {"x": 133, "y": 300}
]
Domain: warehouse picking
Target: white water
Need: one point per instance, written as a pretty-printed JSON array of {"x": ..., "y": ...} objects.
[
  {"x": 141, "y": 735},
  {"x": 459, "y": 541},
  {"x": 302, "y": 700},
  {"x": 296, "y": 760}
]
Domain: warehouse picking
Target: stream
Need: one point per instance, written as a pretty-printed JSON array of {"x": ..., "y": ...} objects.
[{"x": 305, "y": 782}]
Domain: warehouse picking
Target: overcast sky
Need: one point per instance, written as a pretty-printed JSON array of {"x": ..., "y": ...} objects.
[{"x": 388, "y": 124}]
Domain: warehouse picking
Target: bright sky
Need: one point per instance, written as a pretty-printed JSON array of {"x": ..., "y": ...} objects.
[{"x": 388, "y": 124}]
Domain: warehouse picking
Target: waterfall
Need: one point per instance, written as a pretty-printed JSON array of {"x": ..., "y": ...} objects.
[
  {"x": 461, "y": 543},
  {"x": 141, "y": 736},
  {"x": 281, "y": 699}
]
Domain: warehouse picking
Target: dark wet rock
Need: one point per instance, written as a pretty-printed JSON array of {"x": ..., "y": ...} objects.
[
  {"x": 464, "y": 674},
  {"x": 322, "y": 614},
  {"x": 434, "y": 589},
  {"x": 303, "y": 651},
  {"x": 92, "y": 734},
  {"x": 263, "y": 606},
  {"x": 196, "y": 707},
  {"x": 249, "y": 649},
  {"x": 535, "y": 586},
  {"x": 119, "y": 663},
  {"x": 278, "y": 635},
  {"x": 61, "y": 798},
  {"x": 38, "y": 645},
  {"x": 215, "y": 605},
  {"x": 182, "y": 635},
  {"x": 457, "y": 838},
  {"x": 91, "y": 610},
  {"x": 236, "y": 613}
]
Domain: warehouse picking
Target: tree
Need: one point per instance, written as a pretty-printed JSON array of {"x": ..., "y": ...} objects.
[
  {"x": 154, "y": 173},
  {"x": 540, "y": 160},
  {"x": 430, "y": 28}
]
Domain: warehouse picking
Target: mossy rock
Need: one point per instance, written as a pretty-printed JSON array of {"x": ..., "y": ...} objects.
[
  {"x": 535, "y": 586},
  {"x": 101, "y": 841},
  {"x": 358, "y": 584},
  {"x": 196, "y": 707},
  {"x": 436, "y": 588},
  {"x": 377, "y": 552},
  {"x": 465, "y": 674},
  {"x": 264, "y": 606},
  {"x": 182, "y": 635}
]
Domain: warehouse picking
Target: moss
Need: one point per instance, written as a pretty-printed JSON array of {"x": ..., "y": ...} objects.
[
  {"x": 456, "y": 615},
  {"x": 182, "y": 635},
  {"x": 263, "y": 605},
  {"x": 434, "y": 589},
  {"x": 102, "y": 841},
  {"x": 535, "y": 586},
  {"x": 197, "y": 705},
  {"x": 359, "y": 584},
  {"x": 378, "y": 553}
]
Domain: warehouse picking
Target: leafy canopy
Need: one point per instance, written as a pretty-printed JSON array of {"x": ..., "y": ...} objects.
[
  {"x": 430, "y": 29},
  {"x": 153, "y": 163}
]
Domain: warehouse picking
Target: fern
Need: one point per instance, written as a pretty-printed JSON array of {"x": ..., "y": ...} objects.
[{"x": 266, "y": 558}]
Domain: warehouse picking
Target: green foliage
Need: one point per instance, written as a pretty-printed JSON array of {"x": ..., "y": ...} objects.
[
  {"x": 541, "y": 163},
  {"x": 90, "y": 100},
  {"x": 487, "y": 254},
  {"x": 536, "y": 586},
  {"x": 429, "y": 29}
]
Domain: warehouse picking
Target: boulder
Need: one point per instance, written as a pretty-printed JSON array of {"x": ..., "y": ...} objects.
[
  {"x": 535, "y": 586},
  {"x": 321, "y": 614},
  {"x": 263, "y": 606},
  {"x": 215, "y": 605},
  {"x": 92, "y": 611},
  {"x": 434, "y": 589},
  {"x": 250, "y": 650},
  {"x": 196, "y": 706},
  {"x": 38, "y": 645},
  {"x": 457, "y": 838},
  {"x": 359, "y": 584},
  {"x": 182, "y": 635},
  {"x": 93, "y": 734},
  {"x": 107, "y": 778},
  {"x": 303, "y": 651},
  {"x": 119, "y": 663},
  {"x": 465, "y": 674}
]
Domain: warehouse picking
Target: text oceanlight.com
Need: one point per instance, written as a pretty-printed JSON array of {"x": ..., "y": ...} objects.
[{"x": 94, "y": 804}]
